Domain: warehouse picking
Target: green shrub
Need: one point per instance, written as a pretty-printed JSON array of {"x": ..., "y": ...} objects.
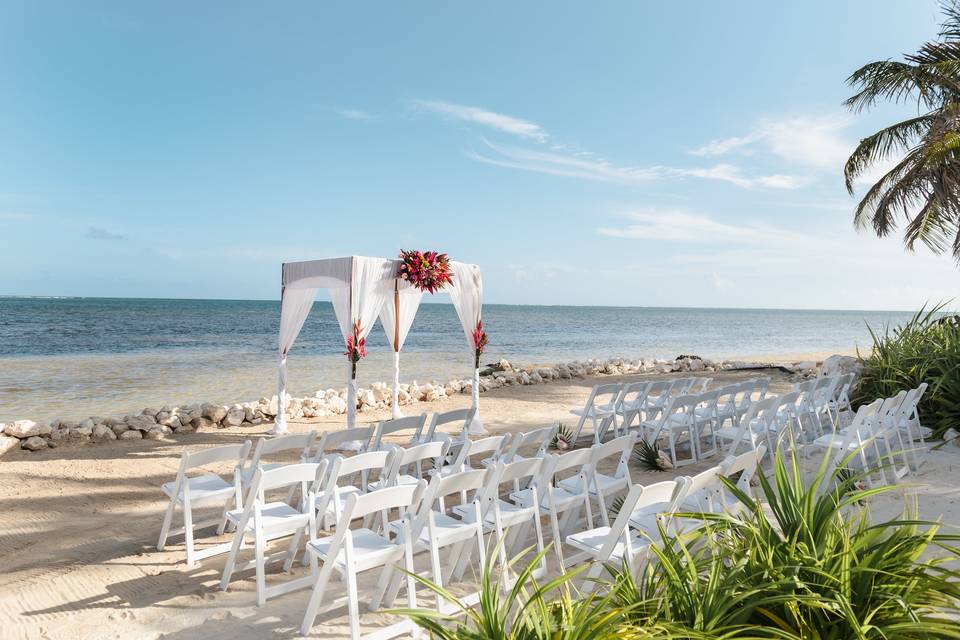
[{"x": 925, "y": 349}]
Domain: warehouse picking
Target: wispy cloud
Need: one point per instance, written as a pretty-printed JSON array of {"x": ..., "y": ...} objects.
[
  {"x": 684, "y": 226},
  {"x": 96, "y": 233},
  {"x": 597, "y": 169},
  {"x": 814, "y": 141},
  {"x": 477, "y": 115},
  {"x": 357, "y": 114}
]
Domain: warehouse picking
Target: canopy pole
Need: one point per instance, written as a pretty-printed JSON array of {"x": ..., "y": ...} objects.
[{"x": 396, "y": 352}]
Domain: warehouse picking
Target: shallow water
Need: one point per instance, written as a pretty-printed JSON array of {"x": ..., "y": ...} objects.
[{"x": 80, "y": 357}]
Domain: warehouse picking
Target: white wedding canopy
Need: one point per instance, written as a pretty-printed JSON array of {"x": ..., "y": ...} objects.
[{"x": 361, "y": 289}]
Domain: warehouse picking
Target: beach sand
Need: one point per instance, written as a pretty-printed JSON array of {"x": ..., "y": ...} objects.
[{"x": 78, "y": 528}]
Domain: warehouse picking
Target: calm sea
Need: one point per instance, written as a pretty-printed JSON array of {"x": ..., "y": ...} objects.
[{"x": 97, "y": 356}]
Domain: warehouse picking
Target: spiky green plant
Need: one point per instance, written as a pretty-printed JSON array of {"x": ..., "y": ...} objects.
[
  {"x": 924, "y": 349},
  {"x": 528, "y": 611},
  {"x": 563, "y": 438},
  {"x": 815, "y": 567},
  {"x": 647, "y": 455}
]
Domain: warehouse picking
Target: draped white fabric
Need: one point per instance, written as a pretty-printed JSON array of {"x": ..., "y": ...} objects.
[
  {"x": 295, "y": 305},
  {"x": 467, "y": 297},
  {"x": 361, "y": 289},
  {"x": 397, "y": 316}
]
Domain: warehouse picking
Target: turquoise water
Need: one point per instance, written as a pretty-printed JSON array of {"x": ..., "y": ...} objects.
[{"x": 99, "y": 356}]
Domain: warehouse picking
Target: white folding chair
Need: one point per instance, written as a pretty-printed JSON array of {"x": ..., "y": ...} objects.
[
  {"x": 342, "y": 474},
  {"x": 840, "y": 401},
  {"x": 435, "y": 528},
  {"x": 705, "y": 418},
  {"x": 603, "y": 487},
  {"x": 557, "y": 500},
  {"x": 745, "y": 465},
  {"x": 753, "y": 390},
  {"x": 677, "y": 419},
  {"x": 540, "y": 438},
  {"x": 599, "y": 410},
  {"x": 203, "y": 491},
  {"x": 807, "y": 414},
  {"x": 412, "y": 424},
  {"x": 727, "y": 405},
  {"x": 752, "y": 429},
  {"x": 660, "y": 502},
  {"x": 356, "y": 439},
  {"x": 657, "y": 399},
  {"x": 407, "y": 464},
  {"x": 264, "y": 521},
  {"x": 509, "y": 520},
  {"x": 352, "y": 551},
  {"x": 823, "y": 393},
  {"x": 701, "y": 495},
  {"x": 908, "y": 418},
  {"x": 302, "y": 442},
  {"x": 630, "y": 406},
  {"x": 853, "y": 441},
  {"x": 460, "y": 417}
]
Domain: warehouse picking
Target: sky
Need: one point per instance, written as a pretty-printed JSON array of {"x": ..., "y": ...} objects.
[{"x": 615, "y": 153}]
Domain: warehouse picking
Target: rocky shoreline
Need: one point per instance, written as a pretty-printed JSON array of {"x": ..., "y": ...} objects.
[{"x": 157, "y": 424}]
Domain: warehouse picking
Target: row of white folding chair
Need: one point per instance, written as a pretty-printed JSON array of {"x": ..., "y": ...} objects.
[
  {"x": 608, "y": 402},
  {"x": 648, "y": 510},
  {"x": 693, "y": 415}
]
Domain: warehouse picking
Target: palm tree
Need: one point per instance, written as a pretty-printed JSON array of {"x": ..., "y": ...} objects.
[{"x": 924, "y": 186}]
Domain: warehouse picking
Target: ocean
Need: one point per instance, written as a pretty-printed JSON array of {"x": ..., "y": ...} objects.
[{"x": 77, "y": 357}]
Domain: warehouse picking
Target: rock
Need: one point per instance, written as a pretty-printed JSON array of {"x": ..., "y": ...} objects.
[
  {"x": 337, "y": 404},
  {"x": 234, "y": 417},
  {"x": 8, "y": 443},
  {"x": 57, "y": 436},
  {"x": 149, "y": 412},
  {"x": 157, "y": 433},
  {"x": 696, "y": 365},
  {"x": 77, "y": 436},
  {"x": 173, "y": 422},
  {"x": 131, "y": 434},
  {"x": 26, "y": 429},
  {"x": 215, "y": 412},
  {"x": 202, "y": 423},
  {"x": 119, "y": 427},
  {"x": 34, "y": 443},
  {"x": 102, "y": 432},
  {"x": 87, "y": 424}
]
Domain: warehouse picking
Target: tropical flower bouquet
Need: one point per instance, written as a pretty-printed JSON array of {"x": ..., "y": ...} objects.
[
  {"x": 480, "y": 342},
  {"x": 426, "y": 270},
  {"x": 356, "y": 348}
]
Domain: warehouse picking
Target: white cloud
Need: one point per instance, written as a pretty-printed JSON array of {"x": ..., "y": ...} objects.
[
  {"x": 587, "y": 168},
  {"x": 814, "y": 141},
  {"x": 491, "y": 119},
  {"x": 357, "y": 114},
  {"x": 685, "y": 226},
  {"x": 96, "y": 233}
]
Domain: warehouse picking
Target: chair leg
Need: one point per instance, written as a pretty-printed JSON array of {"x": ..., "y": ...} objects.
[
  {"x": 188, "y": 532},
  {"x": 258, "y": 545},
  {"x": 353, "y": 604},
  {"x": 437, "y": 572},
  {"x": 167, "y": 520},
  {"x": 292, "y": 549},
  {"x": 231, "y": 559},
  {"x": 557, "y": 540},
  {"x": 316, "y": 597}
]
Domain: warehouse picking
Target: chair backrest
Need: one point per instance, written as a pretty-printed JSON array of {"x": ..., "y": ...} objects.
[
  {"x": 619, "y": 532},
  {"x": 746, "y": 465},
  {"x": 701, "y": 385},
  {"x": 395, "y": 426},
  {"x": 684, "y": 403},
  {"x": 403, "y": 497},
  {"x": 302, "y": 442},
  {"x": 307, "y": 474},
  {"x": 823, "y": 391},
  {"x": 661, "y": 499},
  {"x": 558, "y": 467},
  {"x": 226, "y": 453},
  {"x": 540, "y": 437},
  {"x": 368, "y": 461},
  {"x": 843, "y": 386},
  {"x": 332, "y": 441},
  {"x": 492, "y": 447},
  {"x": 727, "y": 394},
  {"x": 414, "y": 456},
  {"x": 604, "y": 395},
  {"x": 861, "y": 427},
  {"x": 634, "y": 393},
  {"x": 462, "y": 417},
  {"x": 621, "y": 447},
  {"x": 887, "y": 413},
  {"x": 462, "y": 483},
  {"x": 702, "y": 489},
  {"x": 753, "y": 390},
  {"x": 708, "y": 399}
]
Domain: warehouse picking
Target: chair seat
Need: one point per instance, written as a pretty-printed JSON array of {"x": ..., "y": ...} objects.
[
  {"x": 606, "y": 484},
  {"x": 202, "y": 489},
  {"x": 646, "y": 519},
  {"x": 510, "y": 513},
  {"x": 370, "y": 549},
  {"x": 248, "y": 473},
  {"x": 275, "y": 517},
  {"x": 592, "y": 542},
  {"x": 594, "y": 412},
  {"x": 830, "y": 441},
  {"x": 342, "y": 494},
  {"x": 561, "y": 496},
  {"x": 402, "y": 479}
]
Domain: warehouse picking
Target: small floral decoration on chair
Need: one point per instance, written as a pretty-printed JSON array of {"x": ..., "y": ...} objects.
[
  {"x": 480, "y": 342},
  {"x": 426, "y": 270},
  {"x": 356, "y": 347}
]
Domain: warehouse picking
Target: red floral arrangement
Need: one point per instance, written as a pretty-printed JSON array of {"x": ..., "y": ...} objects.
[
  {"x": 480, "y": 342},
  {"x": 426, "y": 270},
  {"x": 356, "y": 347}
]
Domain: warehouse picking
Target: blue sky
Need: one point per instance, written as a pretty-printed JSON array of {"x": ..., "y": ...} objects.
[{"x": 621, "y": 153}]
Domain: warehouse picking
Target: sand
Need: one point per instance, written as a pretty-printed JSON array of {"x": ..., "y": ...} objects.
[{"x": 78, "y": 528}]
